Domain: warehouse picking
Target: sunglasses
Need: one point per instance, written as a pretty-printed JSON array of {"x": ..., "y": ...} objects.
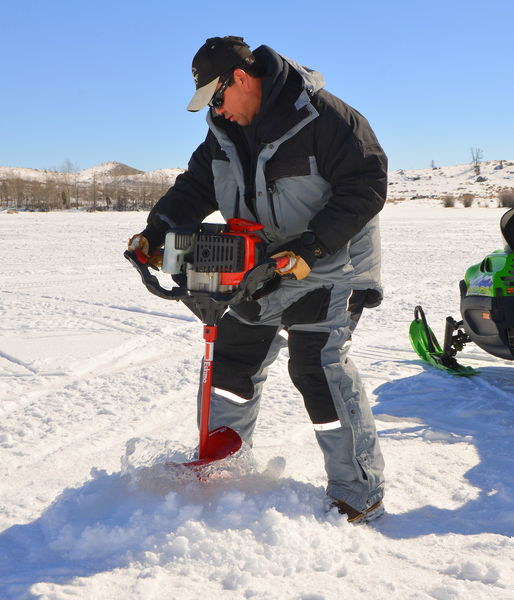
[{"x": 217, "y": 100}]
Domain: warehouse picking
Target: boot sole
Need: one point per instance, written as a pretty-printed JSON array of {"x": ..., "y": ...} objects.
[{"x": 373, "y": 512}]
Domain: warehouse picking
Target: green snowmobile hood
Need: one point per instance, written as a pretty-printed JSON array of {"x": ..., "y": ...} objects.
[{"x": 492, "y": 277}]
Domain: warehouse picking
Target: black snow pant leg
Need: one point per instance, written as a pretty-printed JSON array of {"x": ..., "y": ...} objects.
[{"x": 308, "y": 376}]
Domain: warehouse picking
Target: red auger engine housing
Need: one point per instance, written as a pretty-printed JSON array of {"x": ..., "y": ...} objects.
[{"x": 213, "y": 257}]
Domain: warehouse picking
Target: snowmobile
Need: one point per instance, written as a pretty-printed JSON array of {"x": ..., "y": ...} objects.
[
  {"x": 486, "y": 307},
  {"x": 215, "y": 266}
]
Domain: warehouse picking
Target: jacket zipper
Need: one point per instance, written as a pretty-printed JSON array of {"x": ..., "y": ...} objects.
[{"x": 271, "y": 188}]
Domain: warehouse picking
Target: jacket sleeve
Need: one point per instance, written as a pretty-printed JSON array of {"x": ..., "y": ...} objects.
[
  {"x": 350, "y": 158},
  {"x": 189, "y": 200}
]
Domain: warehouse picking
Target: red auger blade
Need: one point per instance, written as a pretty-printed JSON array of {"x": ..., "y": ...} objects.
[{"x": 221, "y": 443}]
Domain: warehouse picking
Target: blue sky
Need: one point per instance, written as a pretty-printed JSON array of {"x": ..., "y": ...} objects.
[{"x": 93, "y": 81}]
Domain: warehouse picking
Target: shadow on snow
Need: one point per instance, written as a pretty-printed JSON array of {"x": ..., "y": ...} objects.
[{"x": 450, "y": 409}]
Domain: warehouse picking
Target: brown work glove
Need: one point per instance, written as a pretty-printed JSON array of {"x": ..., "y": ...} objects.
[
  {"x": 302, "y": 253},
  {"x": 295, "y": 268},
  {"x": 141, "y": 246}
]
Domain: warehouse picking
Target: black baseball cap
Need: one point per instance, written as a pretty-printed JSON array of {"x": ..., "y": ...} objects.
[{"x": 215, "y": 58}]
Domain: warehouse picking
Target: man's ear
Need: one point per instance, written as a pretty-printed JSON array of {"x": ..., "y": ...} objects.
[{"x": 242, "y": 77}]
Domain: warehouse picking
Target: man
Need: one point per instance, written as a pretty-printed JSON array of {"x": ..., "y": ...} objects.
[{"x": 284, "y": 152}]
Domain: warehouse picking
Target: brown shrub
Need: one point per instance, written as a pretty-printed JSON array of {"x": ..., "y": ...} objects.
[
  {"x": 506, "y": 198},
  {"x": 467, "y": 200}
]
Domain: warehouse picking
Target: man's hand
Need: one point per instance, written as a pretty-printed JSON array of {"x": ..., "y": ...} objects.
[
  {"x": 302, "y": 253},
  {"x": 139, "y": 242},
  {"x": 140, "y": 245},
  {"x": 296, "y": 267}
]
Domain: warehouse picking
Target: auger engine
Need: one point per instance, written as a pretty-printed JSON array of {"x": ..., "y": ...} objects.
[{"x": 212, "y": 257}]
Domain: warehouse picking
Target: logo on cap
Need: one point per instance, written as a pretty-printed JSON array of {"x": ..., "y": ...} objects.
[{"x": 195, "y": 74}]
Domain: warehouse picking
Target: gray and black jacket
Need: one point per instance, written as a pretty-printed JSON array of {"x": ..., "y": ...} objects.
[{"x": 308, "y": 161}]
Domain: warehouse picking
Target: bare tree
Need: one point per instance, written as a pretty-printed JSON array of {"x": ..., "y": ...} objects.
[
  {"x": 93, "y": 194},
  {"x": 18, "y": 191},
  {"x": 5, "y": 194},
  {"x": 476, "y": 156},
  {"x": 52, "y": 199},
  {"x": 69, "y": 178}
]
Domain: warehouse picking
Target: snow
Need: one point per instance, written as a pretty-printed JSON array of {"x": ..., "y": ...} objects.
[
  {"x": 97, "y": 388},
  {"x": 419, "y": 183},
  {"x": 101, "y": 172},
  {"x": 454, "y": 180}
]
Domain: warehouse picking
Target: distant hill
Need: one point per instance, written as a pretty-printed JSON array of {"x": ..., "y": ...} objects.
[
  {"x": 104, "y": 171},
  {"x": 110, "y": 168},
  {"x": 434, "y": 183},
  {"x": 456, "y": 180}
]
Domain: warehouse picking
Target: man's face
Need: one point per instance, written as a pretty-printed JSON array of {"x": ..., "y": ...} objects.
[{"x": 242, "y": 99}]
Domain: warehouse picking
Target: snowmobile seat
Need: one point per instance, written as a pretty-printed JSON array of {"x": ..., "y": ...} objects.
[{"x": 507, "y": 228}]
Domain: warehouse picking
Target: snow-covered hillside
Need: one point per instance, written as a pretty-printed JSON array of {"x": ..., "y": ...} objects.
[
  {"x": 104, "y": 171},
  {"x": 432, "y": 183},
  {"x": 97, "y": 386},
  {"x": 454, "y": 180}
]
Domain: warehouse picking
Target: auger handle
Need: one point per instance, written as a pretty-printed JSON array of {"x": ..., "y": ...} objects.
[
  {"x": 150, "y": 281},
  {"x": 281, "y": 261}
]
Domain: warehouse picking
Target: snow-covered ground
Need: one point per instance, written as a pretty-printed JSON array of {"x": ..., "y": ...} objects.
[{"x": 97, "y": 385}]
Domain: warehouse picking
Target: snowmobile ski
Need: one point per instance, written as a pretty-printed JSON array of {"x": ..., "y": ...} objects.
[{"x": 427, "y": 347}]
